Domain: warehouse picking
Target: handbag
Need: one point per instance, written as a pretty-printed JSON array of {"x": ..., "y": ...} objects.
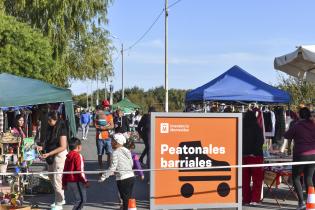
[{"x": 50, "y": 160}]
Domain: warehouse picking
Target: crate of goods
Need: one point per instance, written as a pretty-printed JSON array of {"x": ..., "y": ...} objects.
[
  {"x": 9, "y": 207},
  {"x": 271, "y": 177}
]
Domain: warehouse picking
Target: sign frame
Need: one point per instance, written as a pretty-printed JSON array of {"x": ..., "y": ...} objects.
[{"x": 238, "y": 116}]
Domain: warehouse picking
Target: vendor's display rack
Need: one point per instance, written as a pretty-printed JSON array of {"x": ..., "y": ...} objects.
[{"x": 10, "y": 158}]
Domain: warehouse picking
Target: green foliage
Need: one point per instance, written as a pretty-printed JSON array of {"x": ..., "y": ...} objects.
[
  {"x": 89, "y": 56},
  {"x": 145, "y": 99},
  {"x": 80, "y": 48},
  {"x": 302, "y": 92},
  {"x": 23, "y": 50}
]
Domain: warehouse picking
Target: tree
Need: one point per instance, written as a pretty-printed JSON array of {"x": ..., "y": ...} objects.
[
  {"x": 24, "y": 51},
  {"x": 302, "y": 92},
  {"x": 71, "y": 28},
  {"x": 89, "y": 56},
  {"x": 145, "y": 99}
]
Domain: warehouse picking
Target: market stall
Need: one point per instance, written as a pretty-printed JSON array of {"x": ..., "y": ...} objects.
[
  {"x": 236, "y": 88},
  {"x": 126, "y": 105},
  {"x": 32, "y": 99},
  {"x": 299, "y": 63},
  {"x": 238, "y": 85}
]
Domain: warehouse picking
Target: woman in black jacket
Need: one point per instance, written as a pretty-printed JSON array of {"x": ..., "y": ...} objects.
[{"x": 253, "y": 141}]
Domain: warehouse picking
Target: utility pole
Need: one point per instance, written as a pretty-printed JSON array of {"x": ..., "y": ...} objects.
[
  {"x": 97, "y": 92},
  {"x": 122, "y": 72},
  {"x": 105, "y": 90},
  {"x": 87, "y": 96},
  {"x": 166, "y": 66},
  {"x": 92, "y": 93},
  {"x": 111, "y": 90}
]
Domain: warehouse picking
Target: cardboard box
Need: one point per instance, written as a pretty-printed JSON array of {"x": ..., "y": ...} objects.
[{"x": 8, "y": 207}]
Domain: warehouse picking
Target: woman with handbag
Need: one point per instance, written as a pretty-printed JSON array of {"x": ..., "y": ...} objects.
[{"x": 55, "y": 152}]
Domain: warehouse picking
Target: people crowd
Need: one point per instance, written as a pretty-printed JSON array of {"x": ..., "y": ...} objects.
[
  {"x": 113, "y": 139},
  {"x": 113, "y": 130},
  {"x": 301, "y": 131}
]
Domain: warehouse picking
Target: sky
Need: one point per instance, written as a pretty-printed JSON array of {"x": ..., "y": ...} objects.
[{"x": 205, "y": 39}]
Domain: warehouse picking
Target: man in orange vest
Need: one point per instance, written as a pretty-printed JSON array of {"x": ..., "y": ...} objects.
[{"x": 103, "y": 124}]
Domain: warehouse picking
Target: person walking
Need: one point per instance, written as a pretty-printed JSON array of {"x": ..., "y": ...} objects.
[
  {"x": 103, "y": 124},
  {"x": 135, "y": 158},
  {"x": 85, "y": 120},
  {"x": 75, "y": 183},
  {"x": 55, "y": 152},
  {"x": 121, "y": 122},
  {"x": 303, "y": 135},
  {"x": 253, "y": 141},
  {"x": 121, "y": 167},
  {"x": 144, "y": 132}
]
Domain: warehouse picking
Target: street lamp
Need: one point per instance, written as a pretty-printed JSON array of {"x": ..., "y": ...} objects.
[{"x": 122, "y": 67}]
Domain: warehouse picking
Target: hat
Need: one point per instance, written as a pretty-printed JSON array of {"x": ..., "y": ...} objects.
[
  {"x": 105, "y": 103},
  {"x": 119, "y": 138}
]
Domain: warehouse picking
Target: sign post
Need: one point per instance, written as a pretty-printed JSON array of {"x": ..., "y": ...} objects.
[{"x": 186, "y": 148}]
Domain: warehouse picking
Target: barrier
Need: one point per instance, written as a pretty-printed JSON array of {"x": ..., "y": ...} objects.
[{"x": 168, "y": 169}]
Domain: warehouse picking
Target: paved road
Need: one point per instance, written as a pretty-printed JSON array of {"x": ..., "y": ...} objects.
[{"x": 105, "y": 195}]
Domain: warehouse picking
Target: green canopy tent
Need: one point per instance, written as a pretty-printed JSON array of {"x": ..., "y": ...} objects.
[
  {"x": 20, "y": 91},
  {"x": 126, "y": 105}
]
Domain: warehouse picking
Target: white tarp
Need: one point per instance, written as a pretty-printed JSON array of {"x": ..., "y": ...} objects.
[{"x": 300, "y": 63}]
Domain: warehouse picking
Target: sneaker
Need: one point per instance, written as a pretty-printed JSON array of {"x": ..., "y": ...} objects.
[
  {"x": 254, "y": 204},
  {"x": 57, "y": 207},
  {"x": 58, "y": 204},
  {"x": 301, "y": 207},
  {"x": 102, "y": 178}
]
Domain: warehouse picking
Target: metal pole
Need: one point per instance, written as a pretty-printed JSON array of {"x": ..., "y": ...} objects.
[
  {"x": 97, "y": 92},
  {"x": 122, "y": 72},
  {"x": 105, "y": 90},
  {"x": 111, "y": 89},
  {"x": 91, "y": 93},
  {"x": 166, "y": 67},
  {"x": 87, "y": 97}
]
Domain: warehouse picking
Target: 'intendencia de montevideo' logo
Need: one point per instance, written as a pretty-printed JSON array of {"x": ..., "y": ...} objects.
[
  {"x": 167, "y": 128},
  {"x": 164, "y": 128}
]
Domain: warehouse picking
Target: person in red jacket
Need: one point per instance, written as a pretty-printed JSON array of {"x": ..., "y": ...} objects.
[{"x": 75, "y": 183}]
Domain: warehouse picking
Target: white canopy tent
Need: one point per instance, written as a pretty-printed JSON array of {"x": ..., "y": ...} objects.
[{"x": 300, "y": 63}]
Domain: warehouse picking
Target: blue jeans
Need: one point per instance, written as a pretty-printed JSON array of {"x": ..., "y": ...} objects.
[{"x": 104, "y": 146}]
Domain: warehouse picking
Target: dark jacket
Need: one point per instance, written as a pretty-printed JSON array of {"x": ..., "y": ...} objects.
[
  {"x": 303, "y": 134},
  {"x": 253, "y": 139},
  {"x": 144, "y": 127},
  {"x": 121, "y": 124}
]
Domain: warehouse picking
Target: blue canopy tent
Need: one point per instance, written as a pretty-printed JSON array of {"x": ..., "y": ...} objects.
[{"x": 238, "y": 85}]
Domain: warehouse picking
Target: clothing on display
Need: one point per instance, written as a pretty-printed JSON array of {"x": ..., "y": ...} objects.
[
  {"x": 1, "y": 121},
  {"x": 280, "y": 124},
  {"x": 10, "y": 119},
  {"x": 270, "y": 123}
]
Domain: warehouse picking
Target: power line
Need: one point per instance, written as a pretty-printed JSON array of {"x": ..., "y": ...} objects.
[
  {"x": 115, "y": 60},
  {"x": 151, "y": 26},
  {"x": 146, "y": 32},
  {"x": 176, "y": 2}
]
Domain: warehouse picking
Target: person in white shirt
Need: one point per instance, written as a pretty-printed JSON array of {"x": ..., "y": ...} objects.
[{"x": 121, "y": 166}]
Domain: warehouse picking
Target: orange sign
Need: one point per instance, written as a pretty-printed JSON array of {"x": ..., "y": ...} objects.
[{"x": 190, "y": 146}]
